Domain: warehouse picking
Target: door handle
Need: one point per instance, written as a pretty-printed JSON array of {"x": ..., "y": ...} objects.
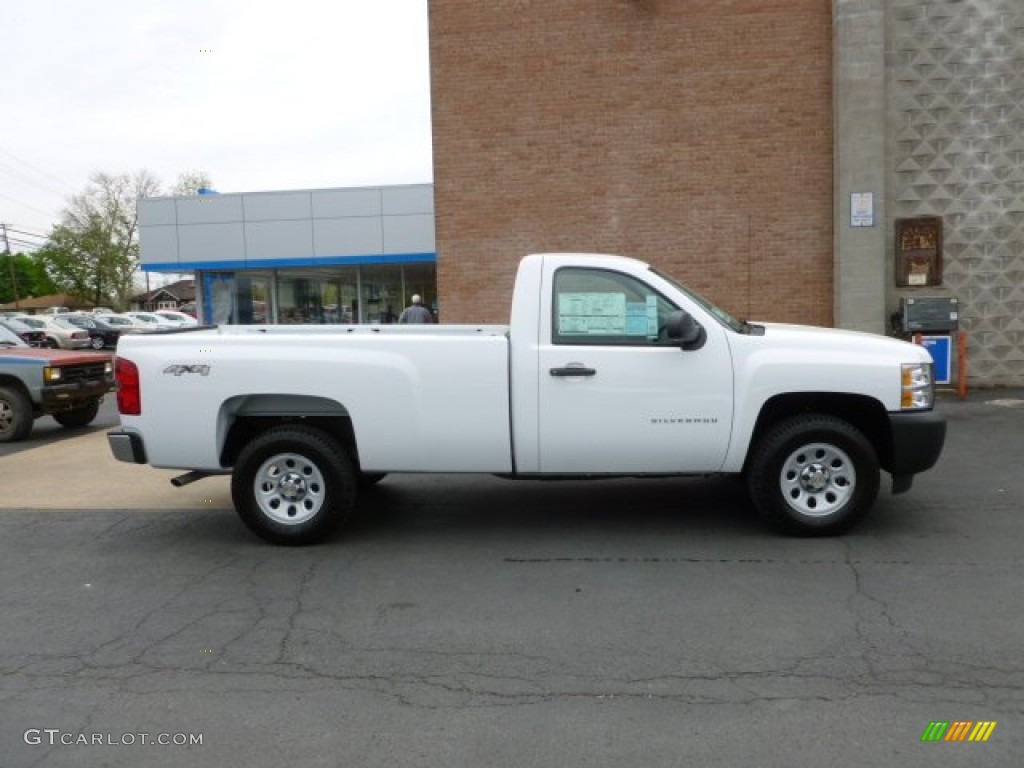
[{"x": 573, "y": 369}]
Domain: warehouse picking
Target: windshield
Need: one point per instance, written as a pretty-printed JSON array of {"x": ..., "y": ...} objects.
[
  {"x": 15, "y": 325},
  {"x": 9, "y": 338},
  {"x": 718, "y": 313}
]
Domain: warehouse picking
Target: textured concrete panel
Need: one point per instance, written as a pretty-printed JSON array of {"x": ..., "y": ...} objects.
[{"x": 957, "y": 122}]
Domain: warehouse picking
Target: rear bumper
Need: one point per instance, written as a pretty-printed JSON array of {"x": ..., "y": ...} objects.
[
  {"x": 127, "y": 446},
  {"x": 917, "y": 440}
]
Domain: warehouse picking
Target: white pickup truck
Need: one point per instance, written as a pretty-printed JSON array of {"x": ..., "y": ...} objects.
[{"x": 608, "y": 368}]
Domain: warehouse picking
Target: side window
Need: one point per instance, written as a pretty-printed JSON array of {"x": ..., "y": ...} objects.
[{"x": 598, "y": 306}]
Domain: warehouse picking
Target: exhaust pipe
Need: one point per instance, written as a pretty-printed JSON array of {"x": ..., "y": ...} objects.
[{"x": 188, "y": 477}]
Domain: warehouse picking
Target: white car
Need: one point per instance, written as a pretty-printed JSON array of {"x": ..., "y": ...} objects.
[
  {"x": 127, "y": 324},
  {"x": 60, "y": 334},
  {"x": 180, "y": 319},
  {"x": 153, "y": 320}
]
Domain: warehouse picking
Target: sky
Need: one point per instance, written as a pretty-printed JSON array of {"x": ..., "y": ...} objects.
[{"x": 290, "y": 94}]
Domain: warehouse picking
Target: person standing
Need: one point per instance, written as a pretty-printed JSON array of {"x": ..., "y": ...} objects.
[{"x": 416, "y": 313}]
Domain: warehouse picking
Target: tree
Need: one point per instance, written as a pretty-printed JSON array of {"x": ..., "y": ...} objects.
[
  {"x": 29, "y": 277},
  {"x": 94, "y": 251},
  {"x": 190, "y": 182}
]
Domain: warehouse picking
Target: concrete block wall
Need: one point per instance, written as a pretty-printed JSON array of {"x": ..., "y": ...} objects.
[{"x": 956, "y": 138}]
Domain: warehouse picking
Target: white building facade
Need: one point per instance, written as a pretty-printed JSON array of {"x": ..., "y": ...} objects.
[{"x": 352, "y": 255}]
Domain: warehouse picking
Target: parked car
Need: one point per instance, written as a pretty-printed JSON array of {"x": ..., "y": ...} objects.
[
  {"x": 101, "y": 334},
  {"x": 180, "y": 319},
  {"x": 126, "y": 324},
  {"x": 56, "y": 310},
  {"x": 60, "y": 334},
  {"x": 34, "y": 382},
  {"x": 155, "y": 321},
  {"x": 101, "y": 311},
  {"x": 31, "y": 336}
]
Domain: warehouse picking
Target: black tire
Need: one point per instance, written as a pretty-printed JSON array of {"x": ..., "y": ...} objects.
[
  {"x": 293, "y": 485},
  {"x": 369, "y": 479},
  {"x": 813, "y": 475},
  {"x": 16, "y": 415},
  {"x": 96, "y": 342},
  {"x": 52, "y": 343},
  {"x": 78, "y": 417}
]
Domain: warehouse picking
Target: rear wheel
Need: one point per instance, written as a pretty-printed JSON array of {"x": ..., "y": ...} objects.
[
  {"x": 293, "y": 485},
  {"x": 813, "y": 475},
  {"x": 15, "y": 415},
  {"x": 78, "y": 417}
]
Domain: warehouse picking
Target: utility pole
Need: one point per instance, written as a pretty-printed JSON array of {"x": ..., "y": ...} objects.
[{"x": 10, "y": 266}]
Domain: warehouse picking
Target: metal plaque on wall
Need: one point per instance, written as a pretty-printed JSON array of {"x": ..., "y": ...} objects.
[{"x": 919, "y": 251}]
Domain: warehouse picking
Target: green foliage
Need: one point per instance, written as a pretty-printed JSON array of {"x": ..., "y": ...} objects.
[{"x": 28, "y": 275}]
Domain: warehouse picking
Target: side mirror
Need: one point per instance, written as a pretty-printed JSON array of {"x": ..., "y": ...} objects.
[{"x": 685, "y": 331}]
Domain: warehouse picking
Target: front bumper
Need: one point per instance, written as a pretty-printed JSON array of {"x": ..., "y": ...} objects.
[
  {"x": 64, "y": 397},
  {"x": 917, "y": 440},
  {"x": 127, "y": 446}
]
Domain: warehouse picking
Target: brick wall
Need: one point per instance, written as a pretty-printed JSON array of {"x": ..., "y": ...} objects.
[{"x": 695, "y": 134}]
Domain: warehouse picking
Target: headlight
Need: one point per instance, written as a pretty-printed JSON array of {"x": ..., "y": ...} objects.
[
  {"x": 918, "y": 386},
  {"x": 51, "y": 374}
]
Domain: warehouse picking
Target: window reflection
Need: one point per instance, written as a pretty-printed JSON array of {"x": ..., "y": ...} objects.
[{"x": 375, "y": 293}]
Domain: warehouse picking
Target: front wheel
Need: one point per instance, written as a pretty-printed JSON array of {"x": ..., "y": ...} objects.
[
  {"x": 293, "y": 485},
  {"x": 78, "y": 417},
  {"x": 813, "y": 475},
  {"x": 16, "y": 415},
  {"x": 97, "y": 342}
]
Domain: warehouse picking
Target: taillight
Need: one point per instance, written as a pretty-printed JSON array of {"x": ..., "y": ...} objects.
[{"x": 129, "y": 391}]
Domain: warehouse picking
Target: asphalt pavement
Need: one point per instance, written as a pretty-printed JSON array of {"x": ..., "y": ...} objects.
[{"x": 471, "y": 621}]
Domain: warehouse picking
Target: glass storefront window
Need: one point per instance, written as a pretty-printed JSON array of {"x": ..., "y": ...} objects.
[
  {"x": 382, "y": 295},
  {"x": 374, "y": 293},
  {"x": 317, "y": 295},
  {"x": 421, "y": 279}
]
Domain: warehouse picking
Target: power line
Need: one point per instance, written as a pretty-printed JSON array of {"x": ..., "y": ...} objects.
[
  {"x": 48, "y": 214},
  {"x": 24, "y": 243},
  {"x": 24, "y": 178},
  {"x": 26, "y": 232},
  {"x": 37, "y": 170}
]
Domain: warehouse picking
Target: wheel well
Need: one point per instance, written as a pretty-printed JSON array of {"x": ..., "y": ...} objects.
[
  {"x": 15, "y": 383},
  {"x": 243, "y": 418},
  {"x": 863, "y": 412}
]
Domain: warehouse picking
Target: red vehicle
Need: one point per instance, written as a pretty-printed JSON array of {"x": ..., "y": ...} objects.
[{"x": 36, "y": 382}]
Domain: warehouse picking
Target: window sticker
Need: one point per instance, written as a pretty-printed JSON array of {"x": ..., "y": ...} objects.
[{"x": 584, "y": 314}]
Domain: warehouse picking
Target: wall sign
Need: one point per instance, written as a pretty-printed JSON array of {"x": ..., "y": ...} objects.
[
  {"x": 862, "y": 209},
  {"x": 919, "y": 251}
]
